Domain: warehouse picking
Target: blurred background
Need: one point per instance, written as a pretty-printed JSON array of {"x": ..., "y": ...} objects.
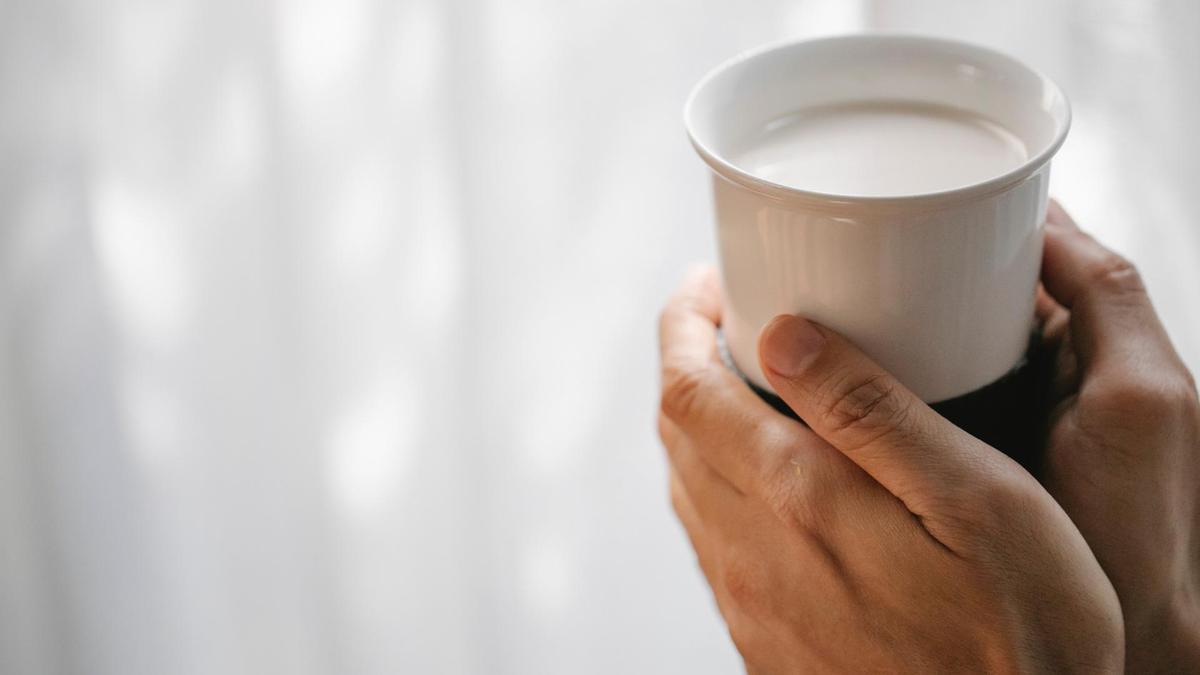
[{"x": 327, "y": 327}]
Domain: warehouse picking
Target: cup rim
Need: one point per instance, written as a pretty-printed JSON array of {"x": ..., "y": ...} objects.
[{"x": 732, "y": 172}]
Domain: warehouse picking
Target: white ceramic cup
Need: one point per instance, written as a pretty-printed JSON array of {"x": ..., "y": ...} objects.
[{"x": 938, "y": 287}]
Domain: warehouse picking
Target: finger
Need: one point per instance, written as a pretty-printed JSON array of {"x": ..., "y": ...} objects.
[
  {"x": 708, "y": 552},
  {"x": 863, "y": 411},
  {"x": 693, "y": 526},
  {"x": 740, "y": 436},
  {"x": 1112, "y": 320},
  {"x": 716, "y": 499},
  {"x": 1065, "y": 378},
  {"x": 1047, "y": 308},
  {"x": 687, "y": 328},
  {"x": 1057, "y": 215},
  {"x": 1052, "y": 319}
]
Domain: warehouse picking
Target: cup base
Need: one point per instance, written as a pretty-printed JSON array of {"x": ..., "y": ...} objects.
[{"x": 1006, "y": 414}]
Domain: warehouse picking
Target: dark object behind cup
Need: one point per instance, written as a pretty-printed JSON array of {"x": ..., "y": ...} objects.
[{"x": 1006, "y": 414}]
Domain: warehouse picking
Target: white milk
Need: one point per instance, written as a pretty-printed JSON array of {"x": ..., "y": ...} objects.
[{"x": 880, "y": 149}]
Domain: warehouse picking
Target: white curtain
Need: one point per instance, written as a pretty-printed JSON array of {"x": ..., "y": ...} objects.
[{"x": 327, "y": 327}]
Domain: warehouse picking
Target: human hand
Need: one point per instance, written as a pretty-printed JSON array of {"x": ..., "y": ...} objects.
[
  {"x": 883, "y": 538},
  {"x": 1123, "y": 448}
]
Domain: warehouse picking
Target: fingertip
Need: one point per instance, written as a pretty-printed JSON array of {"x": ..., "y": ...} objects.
[
  {"x": 787, "y": 344},
  {"x": 700, "y": 276},
  {"x": 1066, "y": 253},
  {"x": 700, "y": 293},
  {"x": 1057, "y": 215},
  {"x": 695, "y": 272},
  {"x": 687, "y": 328},
  {"x": 1045, "y": 306}
]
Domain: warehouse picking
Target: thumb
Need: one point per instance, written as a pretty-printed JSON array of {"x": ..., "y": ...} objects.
[{"x": 863, "y": 411}]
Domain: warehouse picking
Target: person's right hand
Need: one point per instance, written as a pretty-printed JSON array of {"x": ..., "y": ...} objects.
[
  {"x": 879, "y": 537},
  {"x": 1123, "y": 446}
]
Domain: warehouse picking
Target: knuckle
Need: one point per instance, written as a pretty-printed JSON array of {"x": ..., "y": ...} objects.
[
  {"x": 1129, "y": 393},
  {"x": 743, "y": 586},
  {"x": 1143, "y": 394},
  {"x": 785, "y": 497},
  {"x": 1190, "y": 393},
  {"x": 1179, "y": 394},
  {"x": 680, "y": 393},
  {"x": 1116, "y": 275},
  {"x": 999, "y": 505},
  {"x": 798, "y": 497},
  {"x": 865, "y": 405},
  {"x": 1179, "y": 397},
  {"x": 999, "y": 500}
]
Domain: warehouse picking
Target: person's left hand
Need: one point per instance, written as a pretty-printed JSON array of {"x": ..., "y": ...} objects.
[{"x": 882, "y": 538}]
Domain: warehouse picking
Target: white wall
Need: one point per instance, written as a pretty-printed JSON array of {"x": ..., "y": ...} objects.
[{"x": 328, "y": 327}]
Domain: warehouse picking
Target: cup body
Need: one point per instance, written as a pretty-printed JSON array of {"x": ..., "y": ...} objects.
[{"x": 939, "y": 288}]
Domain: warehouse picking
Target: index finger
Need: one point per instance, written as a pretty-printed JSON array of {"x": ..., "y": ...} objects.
[
  {"x": 744, "y": 440},
  {"x": 687, "y": 329},
  {"x": 1112, "y": 319}
]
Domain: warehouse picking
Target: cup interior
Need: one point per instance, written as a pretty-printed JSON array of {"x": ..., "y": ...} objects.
[{"x": 749, "y": 92}]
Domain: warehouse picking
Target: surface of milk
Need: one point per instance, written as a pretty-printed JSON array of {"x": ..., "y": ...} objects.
[{"x": 880, "y": 149}]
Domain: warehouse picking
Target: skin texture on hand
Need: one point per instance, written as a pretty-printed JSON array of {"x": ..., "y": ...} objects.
[
  {"x": 1122, "y": 451},
  {"x": 880, "y": 538}
]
